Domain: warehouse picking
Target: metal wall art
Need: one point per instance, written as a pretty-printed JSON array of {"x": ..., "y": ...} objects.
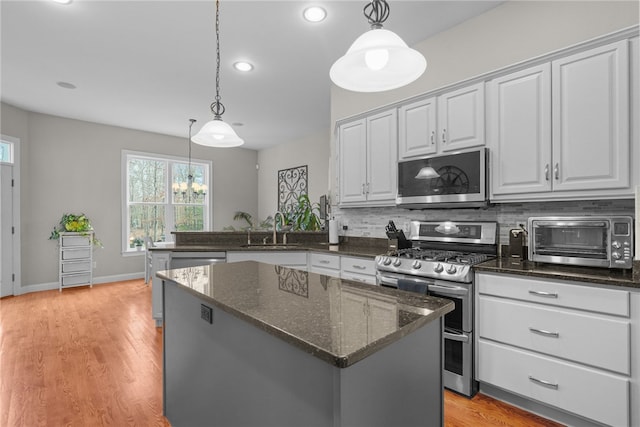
[
  {"x": 293, "y": 281},
  {"x": 291, "y": 184}
]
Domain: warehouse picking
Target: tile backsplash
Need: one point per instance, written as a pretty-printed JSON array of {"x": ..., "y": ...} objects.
[{"x": 370, "y": 222}]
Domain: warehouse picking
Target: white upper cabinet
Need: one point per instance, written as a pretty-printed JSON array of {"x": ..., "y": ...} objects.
[
  {"x": 367, "y": 159},
  {"x": 560, "y": 130},
  {"x": 461, "y": 118},
  {"x": 519, "y": 128},
  {"x": 417, "y": 128},
  {"x": 591, "y": 119},
  {"x": 448, "y": 122}
]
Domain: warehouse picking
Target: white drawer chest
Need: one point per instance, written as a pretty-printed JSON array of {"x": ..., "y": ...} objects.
[
  {"x": 568, "y": 345},
  {"x": 76, "y": 259}
]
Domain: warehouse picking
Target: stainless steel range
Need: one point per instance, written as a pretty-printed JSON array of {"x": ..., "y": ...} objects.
[{"x": 440, "y": 263}]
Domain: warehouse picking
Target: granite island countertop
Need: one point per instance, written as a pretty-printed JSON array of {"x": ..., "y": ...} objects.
[
  {"x": 313, "y": 312},
  {"x": 603, "y": 276}
]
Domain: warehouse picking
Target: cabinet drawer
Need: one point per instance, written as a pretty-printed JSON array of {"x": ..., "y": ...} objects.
[
  {"x": 76, "y": 253},
  {"x": 76, "y": 279},
  {"x": 72, "y": 267},
  {"x": 562, "y": 294},
  {"x": 358, "y": 277},
  {"x": 77, "y": 240},
  {"x": 358, "y": 265},
  {"x": 582, "y": 337},
  {"x": 324, "y": 261},
  {"x": 586, "y": 392},
  {"x": 326, "y": 271}
]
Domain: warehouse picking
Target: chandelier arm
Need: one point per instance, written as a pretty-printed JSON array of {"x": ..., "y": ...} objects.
[{"x": 376, "y": 13}]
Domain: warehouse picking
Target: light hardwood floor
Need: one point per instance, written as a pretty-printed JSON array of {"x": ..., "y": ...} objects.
[{"x": 93, "y": 357}]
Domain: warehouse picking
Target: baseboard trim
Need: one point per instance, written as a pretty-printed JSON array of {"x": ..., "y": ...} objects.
[{"x": 39, "y": 287}]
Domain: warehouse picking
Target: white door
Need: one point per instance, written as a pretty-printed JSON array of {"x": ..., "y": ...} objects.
[
  {"x": 417, "y": 128},
  {"x": 6, "y": 226},
  {"x": 461, "y": 118},
  {"x": 591, "y": 119},
  {"x": 382, "y": 154},
  {"x": 519, "y": 131},
  {"x": 352, "y": 159}
]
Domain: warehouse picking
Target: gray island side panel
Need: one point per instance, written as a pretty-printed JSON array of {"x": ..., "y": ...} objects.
[{"x": 233, "y": 373}]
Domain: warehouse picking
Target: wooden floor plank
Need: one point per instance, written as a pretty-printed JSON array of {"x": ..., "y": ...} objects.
[{"x": 93, "y": 357}]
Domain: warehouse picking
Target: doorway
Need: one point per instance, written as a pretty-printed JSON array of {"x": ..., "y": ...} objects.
[{"x": 9, "y": 217}]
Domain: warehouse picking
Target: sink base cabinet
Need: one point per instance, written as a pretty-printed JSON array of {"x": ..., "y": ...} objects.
[
  {"x": 550, "y": 342},
  {"x": 231, "y": 373}
]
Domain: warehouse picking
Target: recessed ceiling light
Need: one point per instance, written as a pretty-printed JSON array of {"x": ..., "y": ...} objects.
[
  {"x": 63, "y": 1},
  {"x": 243, "y": 66},
  {"x": 314, "y": 14},
  {"x": 66, "y": 85}
]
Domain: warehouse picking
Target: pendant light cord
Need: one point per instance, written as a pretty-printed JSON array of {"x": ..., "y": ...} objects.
[
  {"x": 376, "y": 13},
  {"x": 189, "y": 175},
  {"x": 216, "y": 107}
]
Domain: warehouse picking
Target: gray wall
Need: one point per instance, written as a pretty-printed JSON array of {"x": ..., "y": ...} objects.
[
  {"x": 75, "y": 166},
  {"x": 510, "y": 33},
  {"x": 312, "y": 151}
]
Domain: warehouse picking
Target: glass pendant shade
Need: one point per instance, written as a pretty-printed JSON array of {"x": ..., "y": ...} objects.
[
  {"x": 217, "y": 133},
  {"x": 378, "y": 60}
]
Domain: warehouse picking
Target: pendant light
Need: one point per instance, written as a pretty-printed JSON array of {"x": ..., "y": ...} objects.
[
  {"x": 217, "y": 133},
  {"x": 190, "y": 191},
  {"x": 379, "y": 59}
]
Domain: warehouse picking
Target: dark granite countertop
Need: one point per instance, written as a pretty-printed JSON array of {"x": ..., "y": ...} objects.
[
  {"x": 311, "y": 311},
  {"x": 604, "y": 276},
  {"x": 362, "y": 247}
]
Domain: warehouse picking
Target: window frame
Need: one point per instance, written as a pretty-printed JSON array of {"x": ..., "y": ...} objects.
[{"x": 168, "y": 204}]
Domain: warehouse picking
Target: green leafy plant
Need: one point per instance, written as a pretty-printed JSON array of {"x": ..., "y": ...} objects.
[
  {"x": 75, "y": 224},
  {"x": 265, "y": 224},
  {"x": 304, "y": 215},
  {"x": 138, "y": 241}
]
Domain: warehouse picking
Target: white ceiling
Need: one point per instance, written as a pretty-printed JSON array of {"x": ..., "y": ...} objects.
[{"x": 150, "y": 65}]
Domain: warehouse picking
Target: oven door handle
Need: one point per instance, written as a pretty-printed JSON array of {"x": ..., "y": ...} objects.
[
  {"x": 456, "y": 337},
  {"x": 448, "y": 290}
]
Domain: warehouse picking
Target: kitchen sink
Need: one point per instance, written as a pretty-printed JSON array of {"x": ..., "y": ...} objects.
[{"x": 272, "y": 246}]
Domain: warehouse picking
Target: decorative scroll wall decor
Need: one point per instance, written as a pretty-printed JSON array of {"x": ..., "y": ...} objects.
[
  {"x": 293, "y": 281},
  {"x": 291, "y": 184}
]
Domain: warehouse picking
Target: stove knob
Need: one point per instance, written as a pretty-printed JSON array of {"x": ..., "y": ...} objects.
[
  {"x": 616, "y": 245},
  {"x": 616, "y": 255},
  {"x": 386, "y": 260},
  {"x": 397, "y": 262},
  {"x": 438, "y": 268},
  {"x": 416, "y": 264},
  {"x": 451, "y": 269}
]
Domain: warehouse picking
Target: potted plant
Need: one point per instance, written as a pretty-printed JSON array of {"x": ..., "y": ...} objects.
[
  {"x": 138, "y": 242},
  {"x": 75, "y": 224},
  {"x": 304, "y": 215}
]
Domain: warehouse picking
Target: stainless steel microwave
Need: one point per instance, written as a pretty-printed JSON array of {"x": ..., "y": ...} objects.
[
  {"x": 594, "y": 241},
  {"x": 450, "y": 180}
]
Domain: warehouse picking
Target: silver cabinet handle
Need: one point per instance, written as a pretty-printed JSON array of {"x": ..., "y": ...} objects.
[
  {"x": 556, "y": 171},
  {"x": 363, "y": 189},
  {"x": 433, "y": 137},
  {"x": 359, "y": 267},
  {"x": 367, "y": 188},
  {"x": 543, "y": 382},
  {"x": 444, "y": 137},
  {"x": 543, "y": 332},
  {"x": 546, "y": 172},
  {"x": 324, "y": 261},
  {"x": 544, "y": 294}
]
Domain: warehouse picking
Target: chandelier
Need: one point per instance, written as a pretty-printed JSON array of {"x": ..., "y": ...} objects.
[
  {"x": 379, "y": 59},
  {"x": 217, "y": 133},
  {"x": 189, "y": 191}
]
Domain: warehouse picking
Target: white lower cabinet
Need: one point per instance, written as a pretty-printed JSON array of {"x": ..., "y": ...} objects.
[
  {"x": 358, "y": 269},
  {"x": 559, "y": 343},
  {"x": 322, "y": 263},
  {"x": 75, "y": 259}
]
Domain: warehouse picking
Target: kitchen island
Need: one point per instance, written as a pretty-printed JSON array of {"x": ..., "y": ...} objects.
[{"x": 252, "y": 344}]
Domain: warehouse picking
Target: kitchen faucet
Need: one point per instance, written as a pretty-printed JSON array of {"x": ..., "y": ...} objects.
[{"x": 275, "y": 216}]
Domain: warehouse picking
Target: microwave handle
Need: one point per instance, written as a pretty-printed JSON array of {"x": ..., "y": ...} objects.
[{"x": 597, "y": 224}]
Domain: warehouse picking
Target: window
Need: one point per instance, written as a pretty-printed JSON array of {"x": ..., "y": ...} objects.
[
  {"x": 6, "y": 152},
  {"x": 160, "y": 197}
]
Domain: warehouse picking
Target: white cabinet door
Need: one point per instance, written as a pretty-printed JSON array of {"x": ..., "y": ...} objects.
[
  {"x": 519, "y": 131},
  {"x": 354, "y": 330},
  {"x": 461, "y": 118},
  {"x": 353, "y": 161},
  {"x": 417, "y": 128},
  {"x": 382, "y": 148},
  {"x": 591, "y": 119}
]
